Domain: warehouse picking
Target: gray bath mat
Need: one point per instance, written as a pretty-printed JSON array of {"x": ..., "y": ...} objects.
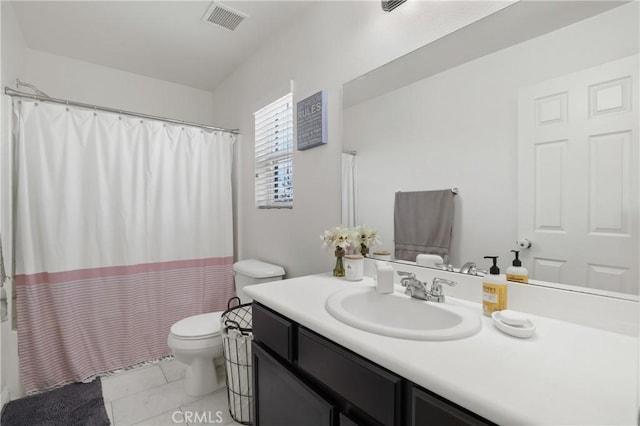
[{"x": 78, "y": 404}]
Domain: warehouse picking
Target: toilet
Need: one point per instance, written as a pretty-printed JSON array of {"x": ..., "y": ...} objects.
[{"x": 196, "y": 340}]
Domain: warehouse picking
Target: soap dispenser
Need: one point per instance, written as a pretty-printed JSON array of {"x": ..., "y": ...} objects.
[
  {"x": 517, "y": 272},
  {"x": 494, "y": 289}
]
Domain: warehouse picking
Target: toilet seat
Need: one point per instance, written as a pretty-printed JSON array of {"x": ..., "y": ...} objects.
[{"x": 197, "y": 327}]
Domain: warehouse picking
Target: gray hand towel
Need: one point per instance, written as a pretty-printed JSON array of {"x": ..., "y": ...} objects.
[{"x": 423, "y": 222}]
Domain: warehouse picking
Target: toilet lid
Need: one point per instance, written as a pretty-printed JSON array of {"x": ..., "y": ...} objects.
[{"x": 198, "y": 326}]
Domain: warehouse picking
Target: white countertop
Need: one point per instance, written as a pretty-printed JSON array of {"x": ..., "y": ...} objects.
[{"x": 566, "y": 374}]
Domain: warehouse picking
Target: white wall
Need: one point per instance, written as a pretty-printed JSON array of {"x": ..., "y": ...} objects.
[
  {"x": 333, "y": 43},
  {"x": 459, "y": 128},
  {"x": 66, "y": 78},
  {"x": 13, "y": 44}
]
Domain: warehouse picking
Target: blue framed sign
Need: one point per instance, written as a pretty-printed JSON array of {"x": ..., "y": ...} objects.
[{"x": 312, "y": 121}]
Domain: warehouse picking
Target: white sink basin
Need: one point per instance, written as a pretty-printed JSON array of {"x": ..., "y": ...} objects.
[{"x": 399, "y": 315}]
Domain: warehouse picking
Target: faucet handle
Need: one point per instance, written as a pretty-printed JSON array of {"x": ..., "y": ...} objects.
[
  {"x": 436, "y": 287},
  {"x": 445, "y": 266},
  {"x": 450, "y": 283},
  {"x": 410, "y": 277},
  {"x": 478, "y": 272}
]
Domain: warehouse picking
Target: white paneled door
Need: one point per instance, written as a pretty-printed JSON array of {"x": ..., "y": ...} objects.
[{"x": 578, "y": 180}]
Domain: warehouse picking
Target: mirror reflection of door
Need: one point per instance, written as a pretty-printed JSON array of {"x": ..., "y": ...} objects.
[{"x": 578, "y": 177}]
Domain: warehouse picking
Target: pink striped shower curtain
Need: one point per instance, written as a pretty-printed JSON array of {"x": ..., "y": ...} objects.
[{"x": 122, "y": 227}]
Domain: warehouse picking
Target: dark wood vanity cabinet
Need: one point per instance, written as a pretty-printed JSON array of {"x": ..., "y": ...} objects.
[
  {"x": 303, "y": 379},
  {"x": 282, "y": 399},
  {"x": 367, "y": 392},
  {"x": 274, "y": 331},
  {"x": 427, "y": 408}
]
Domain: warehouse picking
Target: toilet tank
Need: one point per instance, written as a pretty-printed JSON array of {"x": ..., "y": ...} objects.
[{"x": 252, "y": 271}]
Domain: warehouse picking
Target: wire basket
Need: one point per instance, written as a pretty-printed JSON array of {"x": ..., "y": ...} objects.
[{"x": 237, "y": 334}]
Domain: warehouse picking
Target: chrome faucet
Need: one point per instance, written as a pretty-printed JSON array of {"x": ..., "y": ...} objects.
[
  {"x": 414, "y": 288},
  {"x": 466, "y": 268},
  {"x": 419, "y": 290},
  {"x": 470, "y": 268}
]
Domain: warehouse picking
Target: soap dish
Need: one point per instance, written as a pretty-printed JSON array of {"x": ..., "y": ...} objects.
[{"x": 513, "y": 324}]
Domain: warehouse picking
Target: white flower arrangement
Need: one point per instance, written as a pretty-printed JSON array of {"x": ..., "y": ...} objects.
[
  {"x": 365, "y": 236},
  {"x": 359, "y": 238},
  {"x": 337, "y": 237}
]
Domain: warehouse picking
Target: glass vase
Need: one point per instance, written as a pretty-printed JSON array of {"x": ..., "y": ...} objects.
[{"x": 338, "y": 271}]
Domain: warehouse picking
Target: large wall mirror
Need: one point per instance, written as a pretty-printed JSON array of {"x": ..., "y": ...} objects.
[{"x": 532, "y": 113}]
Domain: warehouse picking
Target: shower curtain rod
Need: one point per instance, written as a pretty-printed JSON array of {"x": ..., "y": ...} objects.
[{"x": 11, "y": 92}]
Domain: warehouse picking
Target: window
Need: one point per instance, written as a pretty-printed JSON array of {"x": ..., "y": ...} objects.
[{"x": 274, "y": 154}]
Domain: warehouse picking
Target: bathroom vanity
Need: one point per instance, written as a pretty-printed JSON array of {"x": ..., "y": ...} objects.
[
  {"x": 310, "y": 368},
  {"x": 304, "y": 378}
]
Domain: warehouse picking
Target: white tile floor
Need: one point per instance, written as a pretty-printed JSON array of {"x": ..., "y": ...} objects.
[{"x": 154, "y": 395}]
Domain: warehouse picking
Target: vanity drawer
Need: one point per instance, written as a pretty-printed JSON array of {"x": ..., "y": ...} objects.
[
  {"x": 363, "y": 384},
  {"x": 428, "y": 408},
  {"x": 282, "y": 398},
  {"x": 273, "y": 331}
]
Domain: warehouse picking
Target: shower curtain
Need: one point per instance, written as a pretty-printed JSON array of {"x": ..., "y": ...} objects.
[
  {"x": 349, "y": 189},
  {"x": 122, "y": 227}
]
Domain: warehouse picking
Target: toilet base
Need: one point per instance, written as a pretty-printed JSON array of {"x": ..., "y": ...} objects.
[
  {"x": 201, "y": 357},
  {"x": 201, "y": 377}
]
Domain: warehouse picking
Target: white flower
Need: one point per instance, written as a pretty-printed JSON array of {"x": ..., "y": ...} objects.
[
  {"x": 337, "y": 237},
  {"x": 350, "y": 238},
  {"x": 365, "y": 235}
]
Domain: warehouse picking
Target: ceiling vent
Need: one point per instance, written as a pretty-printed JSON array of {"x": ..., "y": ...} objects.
[
  {"x": 223, "y": 16},
  {"x": 389, "y": 5}
]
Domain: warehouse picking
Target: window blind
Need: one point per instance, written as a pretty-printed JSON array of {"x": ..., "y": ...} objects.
[{"x": 274, "y": 154}]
